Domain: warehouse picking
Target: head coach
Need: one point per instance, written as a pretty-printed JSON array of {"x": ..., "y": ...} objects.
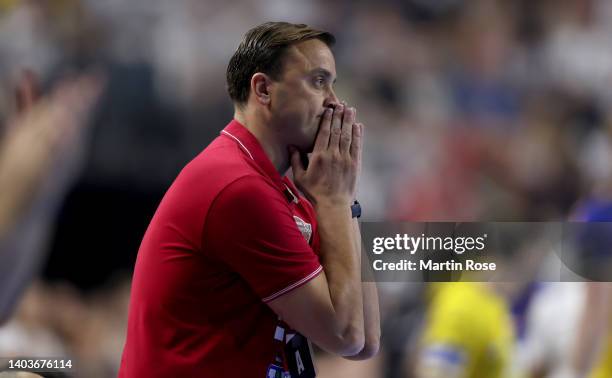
[{"x": 238, "y": 270}]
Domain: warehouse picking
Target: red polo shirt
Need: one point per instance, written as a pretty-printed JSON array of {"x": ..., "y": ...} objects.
[{"x": 227, "y": 237}]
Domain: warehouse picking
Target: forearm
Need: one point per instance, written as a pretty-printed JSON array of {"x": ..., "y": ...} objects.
[
  {"x": 371, "y": 312},
  {"x": 341, "y": 262},
  {"x": 19, "y": 179}
]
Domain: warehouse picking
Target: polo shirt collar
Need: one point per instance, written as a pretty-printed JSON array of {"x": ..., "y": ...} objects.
[{"x": 249, "y": 144}]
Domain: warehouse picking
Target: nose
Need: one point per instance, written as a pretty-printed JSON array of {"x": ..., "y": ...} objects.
[{"x": 331, "y": 100}]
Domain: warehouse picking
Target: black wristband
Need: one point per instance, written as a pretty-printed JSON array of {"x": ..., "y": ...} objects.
[{"x": 356, "y": 209}]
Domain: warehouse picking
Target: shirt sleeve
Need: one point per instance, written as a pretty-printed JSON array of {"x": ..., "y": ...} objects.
[{"x": 250, "y": 228}]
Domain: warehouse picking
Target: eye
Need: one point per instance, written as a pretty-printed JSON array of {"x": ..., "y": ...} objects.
[{"x": 319, "y": 81}]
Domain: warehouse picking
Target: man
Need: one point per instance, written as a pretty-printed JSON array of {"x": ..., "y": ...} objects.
[{"x": 236, "y": 264}]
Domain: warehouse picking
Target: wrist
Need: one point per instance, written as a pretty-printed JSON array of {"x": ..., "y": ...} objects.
[
  {"x": 333, "y": 202},
  {"x": 352, "y": 208},
  {"x": 342, "y": 207}
]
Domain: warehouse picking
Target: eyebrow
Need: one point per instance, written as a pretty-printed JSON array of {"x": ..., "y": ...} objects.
[{"x": 322, "y": 71}]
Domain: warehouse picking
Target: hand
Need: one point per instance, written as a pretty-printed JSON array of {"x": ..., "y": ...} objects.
[
  {"x": 44, "y": 130},
  {"x": 332, "y": 174},
  {"x": 45, "y": 126}
]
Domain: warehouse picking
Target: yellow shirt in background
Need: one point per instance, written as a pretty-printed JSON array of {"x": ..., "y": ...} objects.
[{"x": 470, "y": 326}]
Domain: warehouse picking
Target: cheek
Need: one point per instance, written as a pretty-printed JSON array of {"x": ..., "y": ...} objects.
[
  {"x": 295, "y": 109},
  {"x": 299, "y": 110}
]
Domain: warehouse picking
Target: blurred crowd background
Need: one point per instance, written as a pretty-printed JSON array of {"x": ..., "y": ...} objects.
[{"x": 475, "y": 110}]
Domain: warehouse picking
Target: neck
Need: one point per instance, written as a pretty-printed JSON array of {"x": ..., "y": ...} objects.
[{"x": 272, "y": 145}]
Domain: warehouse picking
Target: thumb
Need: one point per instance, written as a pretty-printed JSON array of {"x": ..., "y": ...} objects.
[{"x": 296, "y": 163}]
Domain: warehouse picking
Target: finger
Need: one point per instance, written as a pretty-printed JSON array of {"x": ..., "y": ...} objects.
[
  {"x": 361, "y": 139},
  {"x": 347, "y": 130},
  {"x": 357, "y": 141},
  {"x": 27, "y": 91},
  {"x": 336, "y": 128},
  {"x": 322, "y": 140},
  {"x": 296, "y": 162}
]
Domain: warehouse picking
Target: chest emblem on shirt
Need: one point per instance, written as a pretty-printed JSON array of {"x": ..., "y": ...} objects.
[{"x": 305, "y": 228}]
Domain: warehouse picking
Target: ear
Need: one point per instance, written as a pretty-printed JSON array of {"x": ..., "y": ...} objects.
[{"x": 260, "y": 85}]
